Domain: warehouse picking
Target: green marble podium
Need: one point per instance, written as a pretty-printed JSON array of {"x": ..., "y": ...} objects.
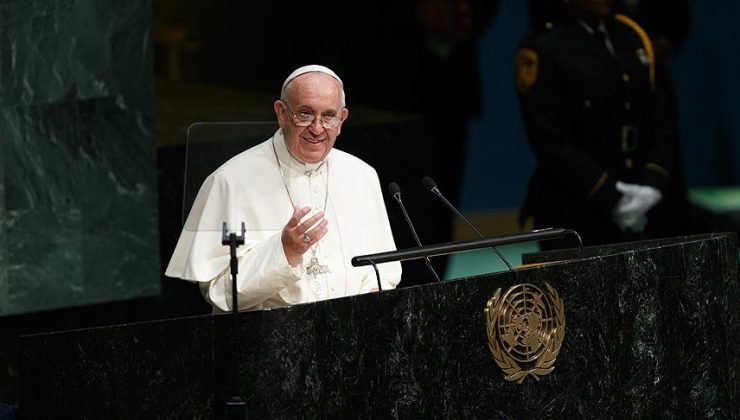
[
  {"x": 78, "y": 178},
  {"x": 651, "y": 331}
]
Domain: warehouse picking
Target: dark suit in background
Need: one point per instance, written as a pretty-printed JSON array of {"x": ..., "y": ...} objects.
[{"x": 594, "y": 117}]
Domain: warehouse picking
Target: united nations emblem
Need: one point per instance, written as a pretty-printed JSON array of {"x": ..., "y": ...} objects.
[{"x": 525, "y": 329}]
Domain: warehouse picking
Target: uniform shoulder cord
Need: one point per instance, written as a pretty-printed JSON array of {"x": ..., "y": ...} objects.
[{"x": 646, "y": 42}]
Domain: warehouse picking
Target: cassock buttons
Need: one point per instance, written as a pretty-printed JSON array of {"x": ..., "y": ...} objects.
[{"x": 626, "y": 77}]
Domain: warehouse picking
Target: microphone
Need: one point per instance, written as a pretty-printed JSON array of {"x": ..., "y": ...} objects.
[
  {"x": 432, "y": 186},
  {"x": 395, "y": 191}
]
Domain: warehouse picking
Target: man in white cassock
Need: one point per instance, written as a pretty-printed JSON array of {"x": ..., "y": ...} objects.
[{"x": 308, "y": 209}]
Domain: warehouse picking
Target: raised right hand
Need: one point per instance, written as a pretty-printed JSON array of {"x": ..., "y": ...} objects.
[{"x": 298, "y": 237}]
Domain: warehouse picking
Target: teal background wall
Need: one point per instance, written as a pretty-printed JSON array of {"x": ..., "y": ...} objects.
[
  {"x": 707, "y": 75},
  {"x": 498, "y": 160}
]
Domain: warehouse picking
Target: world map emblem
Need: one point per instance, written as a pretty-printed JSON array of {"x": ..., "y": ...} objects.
[{"x": 525, "y": 329}]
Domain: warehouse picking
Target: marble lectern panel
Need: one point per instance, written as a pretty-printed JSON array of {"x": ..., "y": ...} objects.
[{"x": 649, "y": 333}]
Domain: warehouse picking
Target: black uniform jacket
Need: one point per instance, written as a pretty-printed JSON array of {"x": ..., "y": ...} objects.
[{"x": 594, "y": 117}]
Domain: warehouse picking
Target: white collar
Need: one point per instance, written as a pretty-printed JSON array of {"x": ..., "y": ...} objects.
[
  {"x": 601, "y": 28},
  {"x": 287, "y": 159}
]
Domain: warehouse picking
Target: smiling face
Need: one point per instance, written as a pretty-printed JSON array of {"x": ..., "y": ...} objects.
[{"x": 316, "y": 94}]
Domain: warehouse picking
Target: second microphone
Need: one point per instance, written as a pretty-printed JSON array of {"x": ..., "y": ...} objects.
[{"x": 395, "y": 191}]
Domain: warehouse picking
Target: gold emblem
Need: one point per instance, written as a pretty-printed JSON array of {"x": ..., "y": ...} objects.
[
  {"x": 527, "y": 66},
  {"x": 525, "y": 329}
]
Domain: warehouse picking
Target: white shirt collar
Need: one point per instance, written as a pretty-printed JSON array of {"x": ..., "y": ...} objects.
[
  {"x": 601, "y": 27},
  {"x": 287, "y": 159}
]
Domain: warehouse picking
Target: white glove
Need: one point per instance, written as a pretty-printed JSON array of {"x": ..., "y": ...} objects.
[{"x": 630, "y": 212}]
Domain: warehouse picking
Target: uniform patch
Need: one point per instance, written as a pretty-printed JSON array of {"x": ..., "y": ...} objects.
[{"x": 527, "y": 67}]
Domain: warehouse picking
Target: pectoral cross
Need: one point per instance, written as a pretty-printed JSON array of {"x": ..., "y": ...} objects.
[{"x": 315, "y": 268}]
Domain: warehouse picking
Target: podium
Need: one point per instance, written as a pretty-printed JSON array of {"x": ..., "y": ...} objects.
[{"x": 650, "y": 330}]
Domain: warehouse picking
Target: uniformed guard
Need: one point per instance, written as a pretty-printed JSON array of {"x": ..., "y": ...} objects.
[{"x": 601, "y": 127}]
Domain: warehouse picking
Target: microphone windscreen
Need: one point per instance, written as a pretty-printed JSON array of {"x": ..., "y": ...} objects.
[
  {"x": 428, "y": 183},
  {"x": 393, "y": 188}
]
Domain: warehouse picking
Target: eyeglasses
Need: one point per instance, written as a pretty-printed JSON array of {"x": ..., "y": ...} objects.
[{"x": 304, "y": 119}]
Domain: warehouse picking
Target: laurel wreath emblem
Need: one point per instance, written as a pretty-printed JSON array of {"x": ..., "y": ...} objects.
[{"x": 525, "y": 330}]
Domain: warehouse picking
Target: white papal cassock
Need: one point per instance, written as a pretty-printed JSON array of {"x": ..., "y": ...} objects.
[{"x": 252, "y": 188}]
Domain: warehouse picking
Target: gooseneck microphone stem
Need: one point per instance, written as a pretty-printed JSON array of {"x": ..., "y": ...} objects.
[
  {"x": 432, "y": 186},
  {"x": 436, "y": 191},
  {"x": 396, "y": 191},
  {"x": 377, "y": 276}
]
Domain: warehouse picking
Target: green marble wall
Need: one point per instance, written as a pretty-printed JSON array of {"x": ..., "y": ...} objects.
[{"x": 78, "y": 197}]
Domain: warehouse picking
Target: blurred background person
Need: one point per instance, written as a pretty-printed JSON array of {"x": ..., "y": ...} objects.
[{"x": 600, "y": 118}]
